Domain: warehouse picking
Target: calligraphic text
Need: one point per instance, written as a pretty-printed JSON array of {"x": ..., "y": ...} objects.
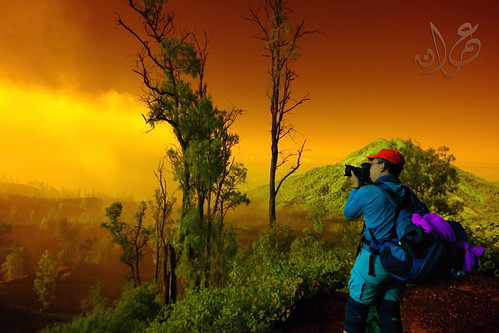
[{"x": 463, "y": 52}]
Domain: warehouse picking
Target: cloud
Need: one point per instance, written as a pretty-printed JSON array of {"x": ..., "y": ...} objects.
[{"x": 92, "y": 142}]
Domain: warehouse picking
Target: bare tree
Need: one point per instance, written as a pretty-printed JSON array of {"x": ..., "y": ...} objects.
[
  {"x": 282, "y": 49},
  {"x": 166, "y": 257}
]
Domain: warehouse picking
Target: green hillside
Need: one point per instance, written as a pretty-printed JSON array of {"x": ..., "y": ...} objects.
[{"x": 329, "y": 186}]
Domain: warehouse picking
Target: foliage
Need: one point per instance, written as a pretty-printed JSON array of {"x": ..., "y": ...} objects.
[
  {"x": 260, "y": 285},
  {"x": 372, "y": 322},
  {"x": 430, "y": 175},
  {"x": 248, "y": 304},
  {"x": 131, "y": 237},
  {"x": 258, "y": 294},
  {"x": 45, "y": 281},
  {"x": 94, "y": 302},
  {"x": 317, "y": 214},
  {"x": 486, "y": 235},
  {"x": 222, "y": 255},
  {"x": 171, "y": 63},
  {"x": 267, "y": 278},
  {"x": 320, "y": 263},
  {"x": 132, "y": 313},
  {"x": 16, "y": 263}
]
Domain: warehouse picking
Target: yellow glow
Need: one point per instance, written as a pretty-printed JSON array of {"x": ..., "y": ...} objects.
[
  {"x": 362, "y": 81},
  {"x": 72, "y": 141}
]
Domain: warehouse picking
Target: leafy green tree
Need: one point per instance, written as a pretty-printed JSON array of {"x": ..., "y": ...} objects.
[
  {"x": 317, "y": 214},
  {"x": 281, "y": 46},
  {"x": 132, "y": 238},
  {"x": 133, "y": 312},
  {"x": 45, "y": 280},
  {"x": 172, "y": 64},
  {"x": 16, "y": 264},
  {"x": 430, "y": 174}
]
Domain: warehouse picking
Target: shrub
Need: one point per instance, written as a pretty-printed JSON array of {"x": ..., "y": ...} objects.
[
  {"x": 320, "y": 264},
  {"x": 249, "y": 303},
  {"x": 132, "y": 313},
  {"x": 485, "y": 235}
]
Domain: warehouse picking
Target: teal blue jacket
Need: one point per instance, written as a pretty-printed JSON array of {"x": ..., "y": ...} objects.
[{"x": 379, "y": 213}]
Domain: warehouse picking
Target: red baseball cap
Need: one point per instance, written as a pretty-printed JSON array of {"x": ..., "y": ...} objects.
[{"x": 390, "y": 155}]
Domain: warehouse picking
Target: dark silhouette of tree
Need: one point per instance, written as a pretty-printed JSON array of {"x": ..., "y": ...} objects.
[
  {"x": 281, "y": 47},
  {"x": 163, "y": 239},
  {"x": 68, "y": 245}
]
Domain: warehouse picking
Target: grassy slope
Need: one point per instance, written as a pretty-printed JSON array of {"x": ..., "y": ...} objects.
[{"x": 327, "y": 184}]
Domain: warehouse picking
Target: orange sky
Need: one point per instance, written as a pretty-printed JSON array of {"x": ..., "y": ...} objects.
[{"x": 68, "y": 97}]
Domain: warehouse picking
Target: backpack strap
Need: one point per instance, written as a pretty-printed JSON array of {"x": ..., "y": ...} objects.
[
  {"x": 390, "y": 195},
  {"x": 375, "y": 249},
  {"x": 388, "y": 192}
]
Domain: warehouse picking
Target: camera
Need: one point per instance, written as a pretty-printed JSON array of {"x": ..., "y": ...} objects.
[{"x": 362, "y": 172}]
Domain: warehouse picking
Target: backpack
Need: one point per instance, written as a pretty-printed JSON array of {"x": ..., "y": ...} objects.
[{"x": 424, "y": 247}]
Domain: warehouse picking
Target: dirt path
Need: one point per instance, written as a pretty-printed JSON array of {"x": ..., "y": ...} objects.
[{"x": 470, "y": 305}]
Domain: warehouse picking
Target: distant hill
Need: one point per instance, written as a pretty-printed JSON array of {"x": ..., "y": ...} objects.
[
  {"x": 40, "y": 204},
  {"x": 328, "y": 184},
  {"x": 20, "y": 189}
]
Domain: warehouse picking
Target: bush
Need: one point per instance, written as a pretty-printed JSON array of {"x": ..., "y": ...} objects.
[
  {"x": 486, "y": 236},
  {"x": 249, "y": 303},
  {"x": 267, "y": 279},
  {"x": 320, "y": 264},
  {"x": 132, "y": 313}
]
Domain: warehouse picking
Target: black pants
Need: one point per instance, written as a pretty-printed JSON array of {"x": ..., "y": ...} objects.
[{"x": 390, "y": 319}]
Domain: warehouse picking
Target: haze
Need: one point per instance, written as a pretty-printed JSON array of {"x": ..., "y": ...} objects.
[{"x": 71, "y": 115}]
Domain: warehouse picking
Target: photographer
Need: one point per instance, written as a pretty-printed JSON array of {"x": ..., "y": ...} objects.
[{"x": 369, "y": 283}]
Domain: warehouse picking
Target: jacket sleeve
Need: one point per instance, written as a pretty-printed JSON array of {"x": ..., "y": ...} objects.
[{"x": 354, "y": 205}]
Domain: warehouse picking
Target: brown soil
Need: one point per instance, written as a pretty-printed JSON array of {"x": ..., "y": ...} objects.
[{"x": 469, "y": 305}]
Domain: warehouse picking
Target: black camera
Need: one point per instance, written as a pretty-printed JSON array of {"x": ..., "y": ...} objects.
[{"x": 362, "y": 172}]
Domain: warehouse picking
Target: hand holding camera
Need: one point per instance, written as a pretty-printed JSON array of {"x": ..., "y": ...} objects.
[{"x": 362, "y": 174}]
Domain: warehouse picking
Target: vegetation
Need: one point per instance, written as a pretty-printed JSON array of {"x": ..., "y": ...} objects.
[
  {"x": 171, "y": 65},
  {"x": 267, "y": 279},
  {"x": 165, "y": 256},
  {"x": 204, "y": 280},
  {"x": 259, "y": 283},
  {"x": 46, "y": 278},
  {"x": 132, "y": 238},
  {"x": 132, "y": 313},
  {"x": 430, "y": 175},
  {"x": 16, "y": 263}
]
